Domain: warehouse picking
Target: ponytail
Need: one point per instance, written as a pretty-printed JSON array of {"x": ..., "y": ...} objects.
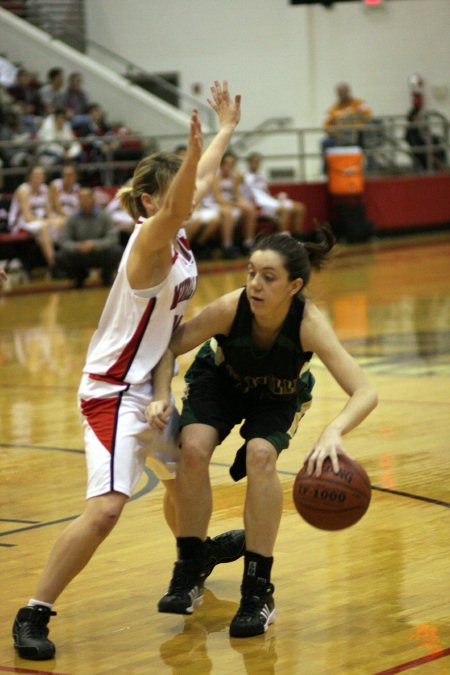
[
  {"x": 319, "y": 253},
  {"x": 127, "y": 201}
]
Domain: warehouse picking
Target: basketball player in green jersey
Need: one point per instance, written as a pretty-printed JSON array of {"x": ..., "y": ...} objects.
[{"x": 253, "y": 369}]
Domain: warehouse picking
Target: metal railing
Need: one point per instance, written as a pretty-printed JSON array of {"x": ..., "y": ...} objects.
[{"x": 386, "y": 152}]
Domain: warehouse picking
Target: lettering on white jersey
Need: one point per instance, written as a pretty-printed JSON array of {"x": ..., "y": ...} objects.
[{"x": 184, "y": 291}]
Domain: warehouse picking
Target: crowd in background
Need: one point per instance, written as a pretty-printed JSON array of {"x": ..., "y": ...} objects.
[
  {"x": 72, "y": 132},
  {"x": 56, "y": 114}
]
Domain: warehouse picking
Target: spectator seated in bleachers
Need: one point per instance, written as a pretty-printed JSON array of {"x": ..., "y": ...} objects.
[
  {"x": 25, "y": 92},
  {"x": 52, "y": 93},
  {"x": 88, "y": 240},
  {"x": 75, "y": 99},
  {"x": 30, "y": 211},
  {"x": 123, "y": 222},
  {"x": 64, "y": 192},
  {"x": 288, "y": 214},
  {"x": 8, "y": 71},
  {"x": 204, "y": 227},
  {"x": 60, "y": 141},
  {"x": 19, "y": 154},
  {"x": 235, "y": 209},
  {"x": 97, "y": 139}
]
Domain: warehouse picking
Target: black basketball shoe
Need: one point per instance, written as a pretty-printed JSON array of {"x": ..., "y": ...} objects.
[
  {"x": 185, "y": 591},
  {"x": 224, "y": 548},
  {"x": 30, "y": 633},
  {"x": 256, "y": 612}
]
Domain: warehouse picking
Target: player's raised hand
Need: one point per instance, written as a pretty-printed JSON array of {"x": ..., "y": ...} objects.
[{"x": 228, "y": 109}]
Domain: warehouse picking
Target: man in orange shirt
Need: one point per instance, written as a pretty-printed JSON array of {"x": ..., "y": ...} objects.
[{"x": 345, "y": 119}]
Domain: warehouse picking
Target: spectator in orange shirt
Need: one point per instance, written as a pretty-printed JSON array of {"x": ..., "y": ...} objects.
[{"x": 345, "y": 120}]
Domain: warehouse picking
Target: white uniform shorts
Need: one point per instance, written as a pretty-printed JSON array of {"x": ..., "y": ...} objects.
[
  {"x": 118, "y": 439},
  {"x": 35, "y": 226},
  {"x": 270, "y": 205}
]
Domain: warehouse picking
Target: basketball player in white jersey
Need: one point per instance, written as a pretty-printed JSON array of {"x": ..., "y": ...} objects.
[
  {"x": 30, "y": 211},
  {"x": 156, "y": 277},
  {"x": 64, "y": 192}
]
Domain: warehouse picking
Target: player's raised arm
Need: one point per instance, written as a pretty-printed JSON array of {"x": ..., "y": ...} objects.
[
  {"x": 228, "y": 110},
  {"x": 173, "y": 207}
]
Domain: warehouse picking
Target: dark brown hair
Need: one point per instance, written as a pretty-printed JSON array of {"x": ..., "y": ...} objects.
[{"x": 299, "y": 258}]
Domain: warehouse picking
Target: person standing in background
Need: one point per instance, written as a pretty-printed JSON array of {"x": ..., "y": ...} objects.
[{"x": 344, "y": 120}]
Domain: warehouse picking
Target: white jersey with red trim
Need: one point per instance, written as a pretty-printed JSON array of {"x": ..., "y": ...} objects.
[
  {"x": 37, "y": 204},
  {"x": 136, "y": 325},
  {"x": 69, "y": 201}
]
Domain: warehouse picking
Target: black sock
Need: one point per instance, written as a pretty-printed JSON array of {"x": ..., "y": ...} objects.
[
  {"x": 256, "y": 566},
  {"x": 191, "y": 550}
]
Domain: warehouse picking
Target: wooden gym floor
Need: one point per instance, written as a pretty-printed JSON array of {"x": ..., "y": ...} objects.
[{"x": 368, "y": 600}]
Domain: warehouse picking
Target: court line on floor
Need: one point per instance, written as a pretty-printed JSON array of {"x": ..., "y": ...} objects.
[
  {"x": 433, "y": 656},
  {"x": 153, "y": 481},
  {"x": 28, "y": 671}
]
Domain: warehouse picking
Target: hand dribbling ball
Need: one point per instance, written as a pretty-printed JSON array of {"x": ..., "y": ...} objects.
[{"x": 333, "y": 501}]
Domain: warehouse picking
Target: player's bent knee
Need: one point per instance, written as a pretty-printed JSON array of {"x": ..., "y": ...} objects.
[
  {"x": 194, "y": 457},
  {"x": 103, "y": 522},
  {"x": 260, "y": 460}
]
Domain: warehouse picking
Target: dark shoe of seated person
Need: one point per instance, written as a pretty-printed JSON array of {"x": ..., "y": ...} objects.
[
  {"x": 231, "y": 252},
  {"x": 79, "y": 282},
  {"x": 57, "y": 272}
]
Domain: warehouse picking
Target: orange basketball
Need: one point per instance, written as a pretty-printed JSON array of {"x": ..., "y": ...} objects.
[{"x": 333, "y": 501}]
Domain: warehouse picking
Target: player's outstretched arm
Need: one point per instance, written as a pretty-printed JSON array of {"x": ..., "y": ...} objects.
[
  {"x": 319, "y": 337},
  {"x": 228, "y": 110},
  {"x": 214, "y": 319},
  {"x": 159, "y": 230}
]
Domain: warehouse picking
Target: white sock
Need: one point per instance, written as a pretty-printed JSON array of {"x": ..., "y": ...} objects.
[{"x": 32, "y": 603}]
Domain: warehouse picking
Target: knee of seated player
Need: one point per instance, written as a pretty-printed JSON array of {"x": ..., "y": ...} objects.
[
  {"x": 104, "y": 512},
  {"x": 261, "y": 457}
]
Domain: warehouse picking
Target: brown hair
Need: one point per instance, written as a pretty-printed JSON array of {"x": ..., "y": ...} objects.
[
  {"x": 299, "y": 258},
  {"x": 152, "y": 175}
]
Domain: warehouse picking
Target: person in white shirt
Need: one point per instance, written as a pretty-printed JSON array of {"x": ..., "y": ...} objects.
[{"x": 60, "y": 141}]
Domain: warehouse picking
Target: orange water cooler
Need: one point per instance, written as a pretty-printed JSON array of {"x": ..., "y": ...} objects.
[{"x": 345, "y": 170}]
